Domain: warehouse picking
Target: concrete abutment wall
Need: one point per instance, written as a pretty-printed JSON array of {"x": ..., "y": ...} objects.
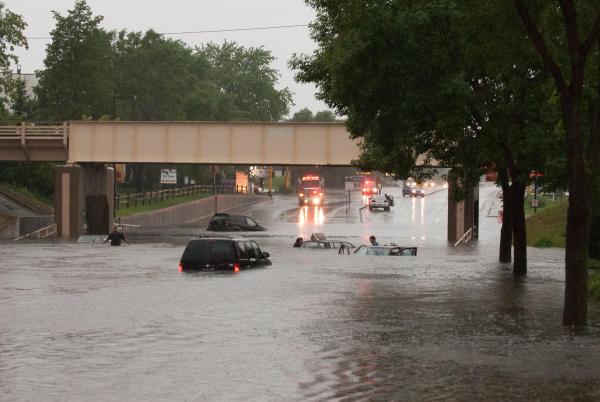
[
  {"x": 192, "y": 211},
  {"x": 74, "y": 184}
]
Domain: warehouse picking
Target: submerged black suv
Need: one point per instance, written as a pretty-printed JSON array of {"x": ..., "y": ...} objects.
[
  {"x": 233, "y": 223},
  {"x": 222, "y": 254}
]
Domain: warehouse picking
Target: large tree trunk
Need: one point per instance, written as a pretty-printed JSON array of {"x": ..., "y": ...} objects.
[
  {"x": 505, "y": 254},
  {"x": 578, "y": 222},
  {"x": 519, "y": 228}
]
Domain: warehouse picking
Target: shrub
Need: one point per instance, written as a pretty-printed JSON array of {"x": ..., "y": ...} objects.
[
  {"x": 594, "y": 286},
  {"x": 543, "y": 242},
  {"x": 593, "y": 264}
]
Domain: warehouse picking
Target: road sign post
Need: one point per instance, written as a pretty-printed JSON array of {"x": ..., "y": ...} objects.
[{"x": 349, "y": 187}]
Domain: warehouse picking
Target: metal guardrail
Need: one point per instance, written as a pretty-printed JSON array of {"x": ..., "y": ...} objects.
[
  {"x": 26, "y": 132},
  {"x": 467, "y": 237},
  {"x": 40, "y": 233},
  {"x": 129, "y": 200}
]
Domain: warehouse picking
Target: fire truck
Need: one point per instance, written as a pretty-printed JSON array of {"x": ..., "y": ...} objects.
[
  {"x": 311, "y": 190},
  {"x": 369, "y": 186}
]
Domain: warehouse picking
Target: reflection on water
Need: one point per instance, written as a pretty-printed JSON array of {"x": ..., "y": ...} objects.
[
  {"x": 80, "y": 322},
  {"x": 311, "y": 215},
  {"x": 94, "y": 322}
]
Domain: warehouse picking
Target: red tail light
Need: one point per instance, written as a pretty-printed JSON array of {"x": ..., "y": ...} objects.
[
  {"x": 180, "y": 267},
  {"x": 236, "y": 267}
]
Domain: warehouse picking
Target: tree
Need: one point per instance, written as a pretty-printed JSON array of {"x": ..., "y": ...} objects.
[
  {"x": 76, "y": 80},
  {"x": 11, "y": 36},
  {"x": 303, "y": 115},
  {"x": 22, "y": 107},
  {"x": 306, "y": 115},
  {"x": 431, "y": 84},
  {"x": 565, "y": 35},
  {"x": 245, "y": 75},
  {"x": 154, "y": 76}
]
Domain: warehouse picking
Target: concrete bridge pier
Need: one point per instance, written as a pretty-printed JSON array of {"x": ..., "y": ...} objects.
[
  {"x": 463, "y": 215},
  {"x": 84, "y": 195}
]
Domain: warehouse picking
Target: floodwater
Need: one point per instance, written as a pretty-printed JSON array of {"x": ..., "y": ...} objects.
[{"x": 94, "y": 322}]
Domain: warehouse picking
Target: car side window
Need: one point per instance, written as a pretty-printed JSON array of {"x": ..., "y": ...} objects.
[
  {"x": 249, "y": 250},
  {"x": 251, "y": 222},
  {"x": 242, "y": 249},
  {"x": 257, "y": 250},
  {"x": 409, "y": 251}
]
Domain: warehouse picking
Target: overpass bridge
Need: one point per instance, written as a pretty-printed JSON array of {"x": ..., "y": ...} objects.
[{"x": 87, "y": 146}]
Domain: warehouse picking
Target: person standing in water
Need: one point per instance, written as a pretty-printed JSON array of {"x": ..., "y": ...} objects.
[{"x": 116, "y": 237}]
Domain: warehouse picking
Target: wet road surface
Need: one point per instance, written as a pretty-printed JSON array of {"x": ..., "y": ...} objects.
[{"x": 94, "y": 322}]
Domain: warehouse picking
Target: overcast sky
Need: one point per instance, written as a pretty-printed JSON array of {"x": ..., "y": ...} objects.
[{"x": 189, "y": 15}]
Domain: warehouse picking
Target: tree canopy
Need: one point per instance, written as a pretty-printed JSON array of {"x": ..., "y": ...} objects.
[{"x": 12, "y": 26}]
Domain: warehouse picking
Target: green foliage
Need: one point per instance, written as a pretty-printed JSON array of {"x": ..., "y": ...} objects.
[
  {"x": 303, "y": 116},
  {"x": 22, "y": 107},
  {"x": 244, "y": 75},
  {"x": 593, "y": 264},
  {"x": 543, "y": 242},
  {"x": 153, "y": 76},
  {"x": 36, "y": 177},
  {"x": 306, "y": 116},
  {"x": 432, "y": 78},
  {"x": 76, "y": 79},
  {"x": 11, "y": 35},
  {"x": 548, "y": 226},
  {"x": 594, "y": 286}
]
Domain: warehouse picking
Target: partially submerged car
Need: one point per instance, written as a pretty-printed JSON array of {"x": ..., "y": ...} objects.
[
  {"x": 326, "y": 245},
  {"x": 381, "y": 201},
  {"x": 222, "y": 222},
  {"x": 386, "y": 251},
  {"x": 211, "y": 254}
]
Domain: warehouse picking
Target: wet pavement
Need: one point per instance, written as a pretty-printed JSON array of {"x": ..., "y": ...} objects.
[{"x": 94, "y": 322}]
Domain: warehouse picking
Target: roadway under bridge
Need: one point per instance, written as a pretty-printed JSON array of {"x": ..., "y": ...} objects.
[{"x": 88, "y": 146}]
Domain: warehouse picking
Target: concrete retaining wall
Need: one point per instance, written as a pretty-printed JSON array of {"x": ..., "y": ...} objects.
[
  {"x": 192, "y": 211},
  {"x": 15, "y": 226}
]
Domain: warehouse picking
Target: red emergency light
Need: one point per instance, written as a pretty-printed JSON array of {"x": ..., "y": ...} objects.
[{"x": 310, "y": 178}]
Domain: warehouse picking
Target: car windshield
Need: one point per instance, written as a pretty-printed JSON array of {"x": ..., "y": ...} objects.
[
  {"x": 313, "y": 244},
  {"x": 202, "y": 250},
  {"x": 370, "y": 250}
]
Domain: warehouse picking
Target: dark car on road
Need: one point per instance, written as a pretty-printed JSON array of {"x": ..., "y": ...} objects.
[
  {"x": 214, "y": 254},
  {"x": 233, "y": 223}
]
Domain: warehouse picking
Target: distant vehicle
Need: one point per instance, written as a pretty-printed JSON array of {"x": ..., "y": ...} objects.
[
  {"x": 311, "y": 190},
  {"x": 412, "y": 191},
  {"x": 381, "y": 201},
  {"x": 369, "y": 187},
  {"x": 386, "y": 250},
  {"x": 222, "y": 254},
  {"x": 233, "y": 223},
  {"x": 429, "y": 184},
  {"x": 326, "y": 244}
]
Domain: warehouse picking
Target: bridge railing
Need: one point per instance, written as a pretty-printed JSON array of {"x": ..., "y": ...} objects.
[
  {"x": 25, "y": 132},
  {"x": 132, "y": 200}
]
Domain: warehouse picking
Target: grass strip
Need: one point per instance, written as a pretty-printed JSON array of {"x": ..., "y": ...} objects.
[{"x": 147, "y": 207}]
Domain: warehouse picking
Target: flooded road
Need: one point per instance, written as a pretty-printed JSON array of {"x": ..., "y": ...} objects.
[{"x": 94, "y": 322}]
